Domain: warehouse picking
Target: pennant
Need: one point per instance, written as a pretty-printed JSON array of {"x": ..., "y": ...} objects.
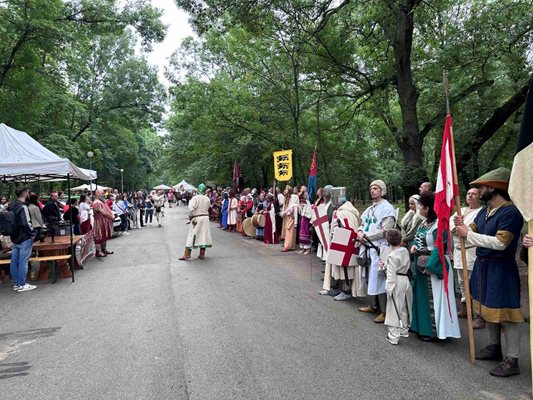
[
  {"x": 446, "y": 189},
  {"x": 311, "y": 184}
]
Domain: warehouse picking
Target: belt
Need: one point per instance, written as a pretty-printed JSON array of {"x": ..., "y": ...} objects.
[
  {"x": 398, "y": 273},
  {"x": 199, "y": 215}
]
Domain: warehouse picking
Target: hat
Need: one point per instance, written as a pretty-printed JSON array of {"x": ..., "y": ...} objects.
[
  {"x": 381, "y": 185},
  {"x": 201, "y": 188},
  {"x": 498, "y": 178}
]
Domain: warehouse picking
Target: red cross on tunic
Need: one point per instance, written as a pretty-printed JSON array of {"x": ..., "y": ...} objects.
[
  {"x": 318, "y": 223},
  {"x": 348, "y": 249}
]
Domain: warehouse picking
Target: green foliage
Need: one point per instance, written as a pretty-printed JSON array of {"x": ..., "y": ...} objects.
[
  {"x": 362, "y": 81},
  {"x": 69, "y": 76}
]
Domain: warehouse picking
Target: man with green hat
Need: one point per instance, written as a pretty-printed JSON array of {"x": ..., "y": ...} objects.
[
  {"x": 199, "y": 229},
  {"x": 495, "y": 281}
]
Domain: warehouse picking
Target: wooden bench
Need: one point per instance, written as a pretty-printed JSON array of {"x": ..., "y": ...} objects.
[{"x": 52, "y": 259}]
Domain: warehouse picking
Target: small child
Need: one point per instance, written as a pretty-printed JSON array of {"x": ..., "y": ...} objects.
[{"x": 398, "y": 288}]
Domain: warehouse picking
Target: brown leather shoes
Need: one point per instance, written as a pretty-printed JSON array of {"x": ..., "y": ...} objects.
[
  {"x": 368, "y": 309},
  {"x": 380, "y": 319}
]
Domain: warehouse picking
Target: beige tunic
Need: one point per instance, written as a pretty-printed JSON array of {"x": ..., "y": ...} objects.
[
  {"x": 398, "y": 288},
  {"x": 469, "y": 215},
  {"x": 199, "y": 229}
]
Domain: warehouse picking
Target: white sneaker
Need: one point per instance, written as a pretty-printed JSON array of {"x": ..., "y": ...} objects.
[
  {"x": 342, "y": 297},
  {"x": 324, "y": 292},
  {"x": 16, "y": 287},
  {"x": 126, "y": 233},
  {"x": 404, "y": 333},
  {"x": 390, "y": 341},
  {"x": 26, "y": 287}
]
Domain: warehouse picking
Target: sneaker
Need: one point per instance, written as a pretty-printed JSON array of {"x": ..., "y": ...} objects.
[
  {"x": 342, "y": 297},
  {"x": 16, "y": 287},
  {"x": 334, "y": 292},
  {"x": 324, "y": 292},
  {"x": 26, "y": 287},
  {"x": 404, "y": 333}
]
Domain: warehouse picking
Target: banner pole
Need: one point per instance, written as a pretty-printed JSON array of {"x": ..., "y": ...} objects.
[{"x": 457, "y": 200}]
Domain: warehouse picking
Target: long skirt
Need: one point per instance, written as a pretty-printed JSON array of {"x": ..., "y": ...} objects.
[
  {"x": 85, "y": 226},
  {"x": 270, "y": 238},
  {"x": 224, "y": 221},
  {"x": 199, "y": 233},
  {"x": 290, "y": 233},
  {"x": 305, "y": 233},
  {"x": 102, "y": 229}
]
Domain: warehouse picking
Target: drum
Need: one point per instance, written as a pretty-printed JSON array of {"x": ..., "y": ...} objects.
[
  {"x": 258, "y": 220},
  {"x": 248, "y": 227}
]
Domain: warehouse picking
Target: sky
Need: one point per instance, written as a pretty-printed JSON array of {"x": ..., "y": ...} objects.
[{"x": 178, "y": 29}]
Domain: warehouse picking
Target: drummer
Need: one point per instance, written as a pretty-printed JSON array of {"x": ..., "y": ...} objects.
[{"x": 261, "y": 208}]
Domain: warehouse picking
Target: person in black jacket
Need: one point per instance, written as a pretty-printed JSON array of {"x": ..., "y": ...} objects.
[
  {"x": 51, "y": 213},
  {"x": 22, "y": 241}
]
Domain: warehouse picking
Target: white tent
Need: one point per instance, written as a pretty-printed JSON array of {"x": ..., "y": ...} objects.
[
  {"x": 24, "y": 159},
  {"x": 88, "y": 187},
  {"x": 187, "y": 186},
  {"x": 162, "y": 187}
]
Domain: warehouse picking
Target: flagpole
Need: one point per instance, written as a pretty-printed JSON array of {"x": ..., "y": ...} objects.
[{"x": 457, "y": 201}]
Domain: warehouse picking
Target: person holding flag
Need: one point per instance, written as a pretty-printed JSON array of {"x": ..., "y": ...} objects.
[{"x": 495, "y": 283}]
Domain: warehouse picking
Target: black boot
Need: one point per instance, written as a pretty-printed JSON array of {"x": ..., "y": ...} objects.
[
  {"x": 507, "y": 367},
  {"x": 493, "y": 352}
]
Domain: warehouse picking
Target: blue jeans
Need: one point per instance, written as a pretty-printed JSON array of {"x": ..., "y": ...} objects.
[{"x": 19, "y": 261}]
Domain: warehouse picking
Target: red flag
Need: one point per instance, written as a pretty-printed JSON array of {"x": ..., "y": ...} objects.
[
  {"x": 236, "y": 176},
  {"x": 445, "y": 192}
]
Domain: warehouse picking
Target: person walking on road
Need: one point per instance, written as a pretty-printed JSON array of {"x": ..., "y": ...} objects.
[{"x": 199, "y": 228}]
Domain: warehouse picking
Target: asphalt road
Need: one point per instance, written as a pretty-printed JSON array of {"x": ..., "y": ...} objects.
[{"x": 245, "y": 323}]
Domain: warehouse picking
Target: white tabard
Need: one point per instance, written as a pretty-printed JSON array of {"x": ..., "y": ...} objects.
[{"x": 372, "y": 226}]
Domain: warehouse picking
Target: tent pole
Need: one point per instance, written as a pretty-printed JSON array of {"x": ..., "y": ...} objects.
[{"x": 72, "y": 253}]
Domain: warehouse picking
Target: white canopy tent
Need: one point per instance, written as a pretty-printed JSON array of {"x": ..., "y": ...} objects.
[
  {"x": 88, "y": 187},
  {"x": 187, "y": 186},
  {"x": 162, "y": 187},
  {"x": 24, "y": 159}
]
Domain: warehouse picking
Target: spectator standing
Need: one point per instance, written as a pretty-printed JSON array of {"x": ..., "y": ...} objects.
[
  {"x": 85, "y": 217},
  {"x": 22, "y": 241}
]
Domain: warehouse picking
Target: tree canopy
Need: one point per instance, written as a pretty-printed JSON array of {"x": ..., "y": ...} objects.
[{"x": 362, "y": 81}]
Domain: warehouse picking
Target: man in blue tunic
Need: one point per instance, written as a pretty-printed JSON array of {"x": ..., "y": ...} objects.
[{"x": 495, "y": 282}]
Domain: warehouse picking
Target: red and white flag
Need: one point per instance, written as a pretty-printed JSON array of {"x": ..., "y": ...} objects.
[
  {"x": 445, "y": 192},
  {"x": 321, "y": 223}
]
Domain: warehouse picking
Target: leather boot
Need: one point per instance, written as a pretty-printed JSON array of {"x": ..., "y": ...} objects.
[
  {"x": 478, "y": 322},
  {"x": 493, "y": 352},
  {"x": 506, "y": 368},
  {"x": 186, "y": 255},
  {"x": 462, "y": 313},
  {"x": 201, "y": 256}
]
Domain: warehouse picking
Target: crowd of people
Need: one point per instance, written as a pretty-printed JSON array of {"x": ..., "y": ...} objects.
[
  {"x": 398, "y": 267},
  {"x": 104, "y": 215}
]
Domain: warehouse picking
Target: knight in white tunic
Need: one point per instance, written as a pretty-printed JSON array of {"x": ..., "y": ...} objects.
[
  {"x": 376, "y": 220},
  {"x": 199, "y": 235}
]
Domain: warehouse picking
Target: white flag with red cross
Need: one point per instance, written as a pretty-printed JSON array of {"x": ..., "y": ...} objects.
[
  {"x": 321, "y": 223},
  {"x": 342, "y": 250}
]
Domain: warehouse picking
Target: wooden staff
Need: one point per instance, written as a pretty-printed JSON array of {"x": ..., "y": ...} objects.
[{"x": 457, "y": 200}]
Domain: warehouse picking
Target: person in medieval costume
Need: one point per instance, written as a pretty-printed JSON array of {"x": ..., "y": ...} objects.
[
  {"x": 290, "y": 223},
  {"x": 304, "y": 231},
  {"x": 280, "y": 200},
  {"x": 260, "y": 209},
  {"x": 232, "y": 211},
  {"x": 411, "y": 220},
  {"x": 495, "y": 282},
  {"x": 345, "y": 216},
  {"x": 469, "y": 215},
  {"x": 326, "y": 200},
  {"x": 434, "y": 311},
  {"x": 398, "y": 288},
  {"x": 199, "y": 235},
  {"x": 225, "y": 205},
  {"x": 270, "y": 232},
  {"x": 103, "y": 224},
  {"x": 159, "y": 202},
  {"x": 376, "y": 220}
]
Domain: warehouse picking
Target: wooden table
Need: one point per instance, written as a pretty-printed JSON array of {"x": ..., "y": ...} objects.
[{"x": 60, "y": 246}]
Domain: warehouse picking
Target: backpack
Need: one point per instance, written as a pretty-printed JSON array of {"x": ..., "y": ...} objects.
[{"x": 9, "y": 223}]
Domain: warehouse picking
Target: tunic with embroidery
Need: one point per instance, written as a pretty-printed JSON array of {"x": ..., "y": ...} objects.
[
  {"x": 373, "y": 226},
  {"x": 495, "y": 281}
]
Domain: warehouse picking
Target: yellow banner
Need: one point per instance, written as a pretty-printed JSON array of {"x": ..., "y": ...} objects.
[{"x": 283, "y": 165}]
